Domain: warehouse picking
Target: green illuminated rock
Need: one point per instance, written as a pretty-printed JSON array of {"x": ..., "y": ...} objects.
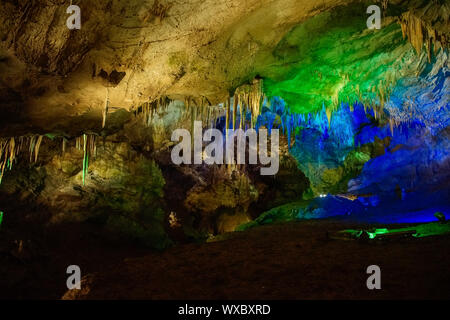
[{"x": 334, "y": 57}]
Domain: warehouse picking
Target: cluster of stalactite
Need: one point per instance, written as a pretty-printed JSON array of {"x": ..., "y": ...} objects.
[
  {"x": 381, "y": 91},
  {"x": 243, "y": 110},
  {"x": 289, "y": 122},
  {"x": 421, "y": 33},
  {"x": 11, "y": 147},
  {"x": 149, "y": 109},
  {"x": 240, "y": 111},
  {"x": 409, "y": 113},
  {"x": 375, "y": 97},
  {"x": 200, "y": 109},
  {"x": 247, "y": 99},
  {"x": 87, "y": 143}
]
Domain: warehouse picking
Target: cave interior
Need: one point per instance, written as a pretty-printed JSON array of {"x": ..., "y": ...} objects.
[{"x": 88, "y": 177}]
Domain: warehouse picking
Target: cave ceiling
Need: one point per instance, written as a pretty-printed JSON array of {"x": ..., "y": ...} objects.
[{"x": 53, "y": 79}]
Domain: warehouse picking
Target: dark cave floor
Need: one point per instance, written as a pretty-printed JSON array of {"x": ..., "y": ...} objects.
[{"x": 282, "y": 261}]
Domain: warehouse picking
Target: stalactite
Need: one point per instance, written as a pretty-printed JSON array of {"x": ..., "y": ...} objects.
[
  {"x": 391, "y": 126},
  {"x": 64, "y": 142},
  {"x": 7, "y": 155},
  {"x": 87, "y": 143},
  {"x": 147, "y": 114},
  {"x": 10, "y": 148},
  {"x": 38, "y": 145},
  {"x": 208, "y": 117},
  {"x": 419, "y": 32},
  {"x": 227, "y": 112},
  {"x": 230, "y": 114},
  {"x": 237, "y": 111},
  {"x": 105, "y": 109},
  {"x": 149, "y": 109},
  {"x": 85, "y": 158},
  {"x": 249, "y": 96},
  {"x": 329, "y": 112},
  {"x": 32, "y": 145},
  {"x": 190, "y": 108},
  {"x": 205, "y": 110},
  {"x": 12, "y": 152},
  {"x": 78, "y": 143},
  {"x": 257, "y": 96},
  {"x": 234, "y": 114},
  {"x": 288, "y": 132},
  {"x": 271, "y": 120},
  {"x": 243, "y": 101}
]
